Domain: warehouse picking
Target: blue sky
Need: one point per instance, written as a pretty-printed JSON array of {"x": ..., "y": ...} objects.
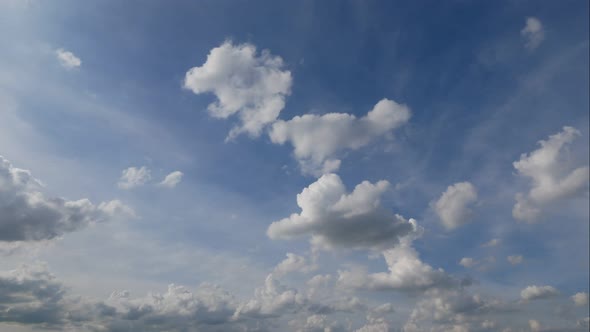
[{"x": 463, "y": 123}]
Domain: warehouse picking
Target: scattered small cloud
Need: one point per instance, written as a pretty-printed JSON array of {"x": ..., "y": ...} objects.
[
  {"x": 67, "y": 59},
  {"x": 134, "y": 177},
  {"x": 172, "y": 179},
  {"x": 491, "y": 243},
  {"x": 515, "y": 259},
  {"x": 580, "y": 299},
  {"x": 533, "y": 33}
]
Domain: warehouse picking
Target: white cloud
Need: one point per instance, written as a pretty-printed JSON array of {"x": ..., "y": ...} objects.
[
  {"x": 294, "y": 263},
  {"x": 467, "y": 262},
  {"x": 515, "y": 259},
  {"x": 551, "y": 182},
  {"x": 534, "y": 325},
  {"x": 67, "y": 59},
  {"x": 26, "y": 214},
  {"x": 491, "y": 243},
  {"x": 454, "y": 310},
  {"x": 317, "y": 139},
  {"x": 273, "y": 299},
  {"x": 538, "y": 292},
  {"x": 134, "y": 177},
  {"x": 253, "y": 86},
  {"x": 334, "y": 218},
  {"x": 172, "y": 179},
  {"x": 580, "y": 299},
  {"x": 453, "y": 206},
  {"x": 533, "y": 32},
  {"x": 406, "y": 272}
]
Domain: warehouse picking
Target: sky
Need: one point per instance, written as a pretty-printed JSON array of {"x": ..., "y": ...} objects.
[{"x": 294, "y": 165}]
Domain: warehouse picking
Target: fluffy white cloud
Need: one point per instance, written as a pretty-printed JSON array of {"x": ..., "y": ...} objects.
[
  {"x": 455, "y": 310},
  {"x": 335, "y": 218},
  {"x": 134, "y": 177},
  {"x": 67, "y": 59},
  {"x": 294, "y": 263},
  {"x": 26, "y": 214},
  {"x": 172, "y": 179},
  {"x": 273, "y": 299},
  {"x": 253, "y": 86},
  {"x": 580, "y": 299},
  {"x": 538, "y": 292},
  {"x": 453, "y": 206},
  {"x": 317, "y": 139},
  {"x": 533, "y": 32},
  {"x": 515, "y": 259},
  {"x": 551, "y": 181},
  {"x": 406, "y": 272},
  {"x": 467, "y": 262}
]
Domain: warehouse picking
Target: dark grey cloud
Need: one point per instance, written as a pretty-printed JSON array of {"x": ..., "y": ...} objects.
[{"x": 27, "y": 214}]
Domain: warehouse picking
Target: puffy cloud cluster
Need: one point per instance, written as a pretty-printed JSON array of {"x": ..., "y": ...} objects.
[
  {"x": 453, "y": 207},
  {"x": 27, "y": 214},
  {"x": 455, "y": 310},
  {"x": 538, "y": 292},
  {"x": 551, "y": 180},
  {"x": 253, "y": 86},
  {"x": 335, "y": 218},
  {"x": 317, "y": 139},
  {"x": 273, "y": 299},
  {"x": 67, "y": 59},
  {"x": 406, "y": 272},
  {"x": 31, "y": 295},
  {"x": 533, "y": 32}
]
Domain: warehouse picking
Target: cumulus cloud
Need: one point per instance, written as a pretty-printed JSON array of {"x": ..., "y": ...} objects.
[
  {"x": 538, "y": 293},
  {"x": 455, "y": 310},
  {"x": 317, "y": 139},
  {"x": 27, "y": 214},
  {"x": 453, "y": 206},
  {"x": 580, "y": 299},
  {"x": 31, "y": 295},
  {"x": 406, "y": 272},
  {"x": 253, "y": 86},
  {"x": 134, "y": 177},
  {"x": 67, "y": 59},
  {"x": 515, "y": 259},
  {"x": 335, "y": 218},
  {"x": 467, "y": 262},
  {"x": 172, "y": 179},
  {"x": 273, "y": 299},
  {"x": 551, "y": 180},
  {"x": 533, "y": 33},
  {"x": 294, "y": 263}
]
